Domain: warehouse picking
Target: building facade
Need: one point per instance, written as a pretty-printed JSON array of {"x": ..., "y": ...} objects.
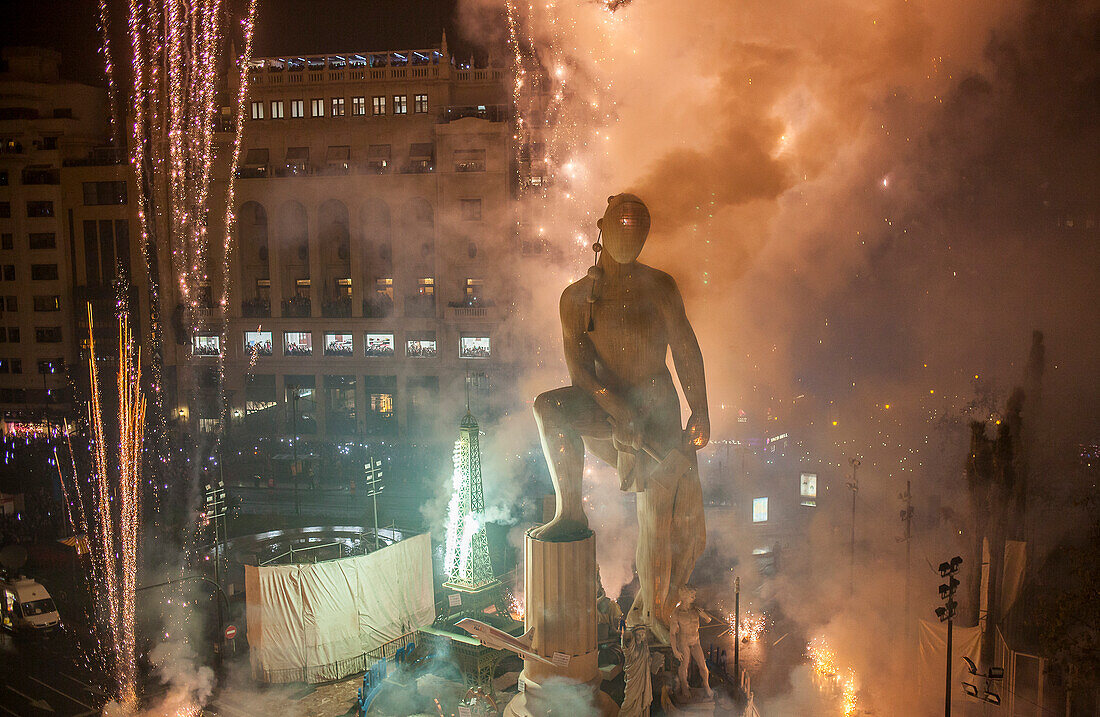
[
  {"x": 373, "y": 206},
  {"x": 66, "y": 223}
]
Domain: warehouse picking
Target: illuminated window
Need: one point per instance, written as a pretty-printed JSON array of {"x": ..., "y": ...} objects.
[
  {"x": 400, "y": 104},
  {"x": 474, "y": 347},
  {"x": 317, "y": 107},
  {"x": 420, "y": 104},
  {"x": 378, "y": 106},
  {"x": 426, "y": 286},
  {"x": 759, "y": 510},
  {"x": 358, "y": 106},
  {"x": 343, "y": 287},
  {"x": 297, "y": 109},
  {"x": 206, "y": 345},
  {"x": 297, "y": 343},
  {"x": 378, "y": 345},
  {"x": 257, "y": 110},
  {"x": 421, "y": 345},
  {"x": 337, "y": 106},
  {"x": 475, "y": 289},
  {"x": 257, "y": 343},
  {"x": 338, "y": 344},
  {"x": 808, "y": 489},
  {"x": 276, "y": 109}
]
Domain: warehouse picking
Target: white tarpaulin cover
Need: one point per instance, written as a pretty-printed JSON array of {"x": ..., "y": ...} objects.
[
  {"x": 965, "y": 642},
  {"x": 314, "y": 623}
]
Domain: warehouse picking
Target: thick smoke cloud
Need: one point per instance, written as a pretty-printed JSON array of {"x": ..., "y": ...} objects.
[{"x": 869, "y": 207}]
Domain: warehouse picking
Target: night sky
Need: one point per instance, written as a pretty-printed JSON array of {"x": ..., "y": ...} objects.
[{"x": 284, "y": 27}]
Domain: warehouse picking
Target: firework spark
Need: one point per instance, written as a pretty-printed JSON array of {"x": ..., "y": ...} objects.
[
  {"x": 753, "y": 626},
  {"x": 829, "y": 675},
  {"x": 116, "y": 508}
]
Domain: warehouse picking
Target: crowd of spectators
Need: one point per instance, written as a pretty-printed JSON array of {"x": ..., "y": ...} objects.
[{"x": 42, "y": 518}]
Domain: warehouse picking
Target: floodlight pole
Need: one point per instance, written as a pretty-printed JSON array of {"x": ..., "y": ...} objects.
[
  {"x": 947, "y": 687},
  {"x": 854, "y": 487},
  {"x": 294, "y": 446},
  {"x": 737, "y": 630}
]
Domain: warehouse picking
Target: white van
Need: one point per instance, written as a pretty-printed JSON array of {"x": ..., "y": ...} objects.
[{"x": 26, "y": 606}]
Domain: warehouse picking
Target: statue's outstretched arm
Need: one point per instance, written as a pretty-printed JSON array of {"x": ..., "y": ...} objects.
[{"x": 688, "y": 360}]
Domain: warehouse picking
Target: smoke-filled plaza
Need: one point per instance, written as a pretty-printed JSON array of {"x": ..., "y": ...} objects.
[{"x": 589, "y": 357}]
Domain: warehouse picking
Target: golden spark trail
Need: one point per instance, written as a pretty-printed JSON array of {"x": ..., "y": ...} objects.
[
  {"x": 829, "y": 675},
  {"x": 230, "y": 215},
  {"x": 116, "y": 573}
]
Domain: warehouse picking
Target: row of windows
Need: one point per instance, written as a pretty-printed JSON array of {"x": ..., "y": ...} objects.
[
  {"x": 35, "y": 240},
  {"x": 337, "y": 343},
  {"x": 38, "y": 208},
  {"x": 807, "y": 491},
  {"x": 39, "y": 272},
  {"x": 338, "y": 106},
  {"x": 49, "y": 366}
]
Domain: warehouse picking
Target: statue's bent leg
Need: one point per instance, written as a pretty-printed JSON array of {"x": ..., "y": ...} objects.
[
  {"x": 561, "y": 415},
  {"x": 688, "y": 532}
]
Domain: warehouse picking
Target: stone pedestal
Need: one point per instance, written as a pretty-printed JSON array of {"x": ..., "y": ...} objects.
[{"x": 560, "y": 594}]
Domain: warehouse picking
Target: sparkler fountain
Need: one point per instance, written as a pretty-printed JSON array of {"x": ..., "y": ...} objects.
[{"x": 115, "y": 509}]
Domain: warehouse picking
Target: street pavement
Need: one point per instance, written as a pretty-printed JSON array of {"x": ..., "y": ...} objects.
[{"x": 45, "y": 676}]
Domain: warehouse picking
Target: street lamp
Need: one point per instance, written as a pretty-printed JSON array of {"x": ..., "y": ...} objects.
[
  {"x": 215, "y": 501},
  {"x": 372, "y": 469},
  {"x": 293, "y": 388},
  {"x": 853, "y": 485},
  {"x": 947, "y": 614}
]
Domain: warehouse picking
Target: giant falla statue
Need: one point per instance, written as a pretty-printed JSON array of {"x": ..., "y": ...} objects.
[{"x": 619, "y": 323}]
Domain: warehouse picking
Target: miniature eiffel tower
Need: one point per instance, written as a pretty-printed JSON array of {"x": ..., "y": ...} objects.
[{"x": 466, "y": 560}]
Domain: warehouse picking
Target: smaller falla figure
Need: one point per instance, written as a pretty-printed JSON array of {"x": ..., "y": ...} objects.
[{"x": 684, "y": 636}]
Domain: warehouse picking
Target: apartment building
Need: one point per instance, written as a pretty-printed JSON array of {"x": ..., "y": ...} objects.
[
  {"x": 374, "y": 217},
  {"x": 65, "y": 232}
]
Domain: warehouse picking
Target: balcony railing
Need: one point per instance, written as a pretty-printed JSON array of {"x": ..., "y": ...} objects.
[
  {"x": 297, "y": 307},
  {"x": 337, "y": 308},
  {"x": 256, "y": 308},
  {"x": 379, "y": 307},
  {"x": 420, "y": 306}
]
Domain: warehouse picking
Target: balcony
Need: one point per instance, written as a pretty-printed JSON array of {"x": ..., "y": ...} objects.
[
  {"x": 337, "y": 308},
  {"x": 256, "y": 308},
  {"x": 471, "y": 309},
  {"x": 379, "y": 306},
  {"x": 420, "y": 306},
  {"x": 298, "y": 307}
]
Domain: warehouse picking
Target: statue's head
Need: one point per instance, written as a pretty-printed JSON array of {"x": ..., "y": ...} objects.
[
  {"x": 687, "y": 595},
  {"x": 625, "y": 226}
]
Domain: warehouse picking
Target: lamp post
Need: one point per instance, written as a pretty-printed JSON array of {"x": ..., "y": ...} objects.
[
  {"x": 373, "y": 472},
  {"x": 853, "y": 485},
  {"x": 215, "y": 511},
  {"x": 947, "y": 614},
  {"x": 737, "y": 629},
  {"x": 293, "y": 388}
]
